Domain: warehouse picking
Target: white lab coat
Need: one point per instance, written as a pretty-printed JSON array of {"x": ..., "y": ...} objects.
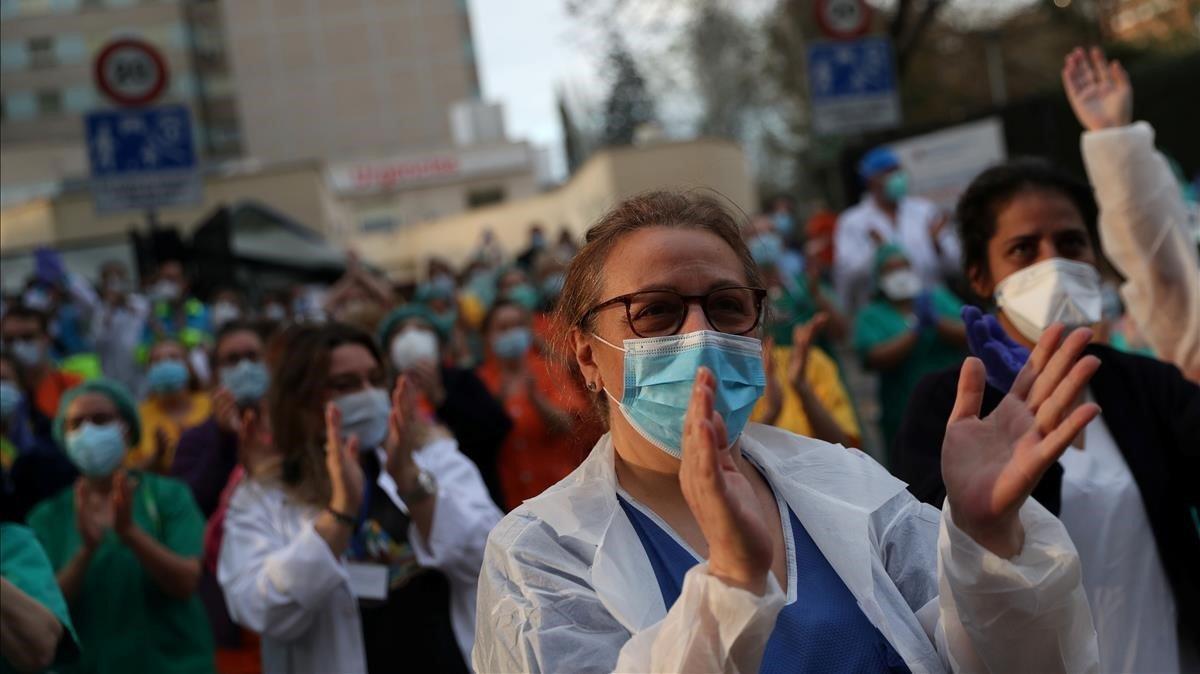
[
  {"x": 854, "y": 249},
  {"x": 281, "y": 580},
  {"x": 567, "y": 586},
  {"x": 1143, "y": 231}
]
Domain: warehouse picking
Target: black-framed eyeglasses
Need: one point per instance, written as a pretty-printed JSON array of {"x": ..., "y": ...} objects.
[{"x": 657, "y": 313}]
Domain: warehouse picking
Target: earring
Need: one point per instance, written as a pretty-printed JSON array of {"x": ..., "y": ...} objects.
[{"x": 591, "y": 386}]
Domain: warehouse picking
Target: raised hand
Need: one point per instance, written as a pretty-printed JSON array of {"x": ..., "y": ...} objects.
[
  {"x": 341, "y": 460},
  {"x": 1099, "y": 91},
  {"x": 122, "y": 503},
  {"x": 991, "y": 465},
  {"x": 1002, "y": 357},
  {"x": 428, "y": 379},
  {"x": 802, "y": 337},
  {"x": 722, "y": 500},
  {"x": 404, "y": 429},
  {"x": 225, "y": 410}
]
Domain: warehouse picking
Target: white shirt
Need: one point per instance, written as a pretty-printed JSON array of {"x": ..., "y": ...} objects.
[
  {"x": 281, "y": 580},
  {"x": 854, "y": 249},
  {"x": 1143, "y": 231},
  {"x": 567, "y": 585},
  {"x": 1132, "y": 605}
]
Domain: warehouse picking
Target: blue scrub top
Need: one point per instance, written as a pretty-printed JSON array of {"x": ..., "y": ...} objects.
[{"x": 821, "y": 630}]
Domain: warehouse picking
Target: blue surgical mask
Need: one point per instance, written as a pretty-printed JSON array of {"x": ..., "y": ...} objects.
[
  {"x": 28, "y": 352},
  {"x": 10, "y": 399},
  {"x": 97, "y": 450},
  {"x": 660, "y": 371},
  {"x": 365, "y": 414},
  {"x": 524, "y": 295},
  {"x": 766, "y": 249},
  {"x": 247, "y": 381},
  {"x": 167, "y": 376},
  {"x": 512, "y": 343},
  {"x": 896, "y": 186},
  {"x": 784, "y": 223}
]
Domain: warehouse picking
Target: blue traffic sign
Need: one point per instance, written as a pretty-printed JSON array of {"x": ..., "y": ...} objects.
[
  {"x": 142, "y": 158},
  {"x": 852, "y": 85}
]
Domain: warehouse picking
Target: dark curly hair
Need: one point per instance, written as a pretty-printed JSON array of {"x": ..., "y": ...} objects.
[{"x": 993, "y": 189}]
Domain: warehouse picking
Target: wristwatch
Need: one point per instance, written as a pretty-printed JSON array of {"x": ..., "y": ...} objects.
[{"x": 426, "y": 486}]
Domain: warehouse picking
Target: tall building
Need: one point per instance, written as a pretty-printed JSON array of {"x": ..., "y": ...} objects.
[
  {"x": 348, "y": 79},
  {"x": 46, "y": 53}
]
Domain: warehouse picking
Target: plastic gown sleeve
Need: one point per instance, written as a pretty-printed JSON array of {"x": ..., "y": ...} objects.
[
  {"x": 273, "y": 585},
  {"x": 1143, "y": 231},
  {"x": 1025, "y": 614},
  {"x": 539, "y": 613}
]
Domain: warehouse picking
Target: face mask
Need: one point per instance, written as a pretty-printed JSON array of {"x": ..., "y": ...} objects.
[
  {"x": 1054, "y": 290},
  {"x": 512, "y": 343},
  {"x": 660, "y": 371},
  {"x": 28, "y": 352},
  {"x": 443, "y": 285},
  {"x": 97, "y": 450},
  {"x": 525, "y": 295},
  {"x": 168, "y": 291},
  {"x": 552, "y": 285},
  {"x": 896, "y": 186},
  {"x": 36, "y": 298},
  {"x": 766, "y": 249},
  {"x": 247, "y": 381},
  {"x": 413, "y": 346},
  {"x": 274, "y": 312},
  {"x": 784, "y": 223},
  {"x": 10, "y": 399},
  {"x": 899, "y": 285},
  {"x": 223, "y": 312},
  {"x": 116, "y": 285},
  {"x": 537, "y": 241},
  {"x": 167, "y": 376},
  {"x": 365, "y": 414}
]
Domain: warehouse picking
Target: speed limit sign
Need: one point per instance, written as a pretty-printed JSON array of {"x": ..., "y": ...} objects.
[
  {"x": 131, "y": 72},
  {"x": 843, "y": 19}
]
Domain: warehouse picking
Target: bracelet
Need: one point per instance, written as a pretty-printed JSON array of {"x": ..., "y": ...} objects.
[{"x": 343, "y": 518}]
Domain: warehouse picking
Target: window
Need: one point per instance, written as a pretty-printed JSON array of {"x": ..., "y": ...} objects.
[
  {"x": 485, "y": 196},
  {"x": 41, "y": 52},
  {"x": 49, "y": 102}
]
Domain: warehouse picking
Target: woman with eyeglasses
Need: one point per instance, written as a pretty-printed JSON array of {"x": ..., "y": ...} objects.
[
  {"x": 125, "y": 545},
  {"x": 691, "y": 541},
  {"x": 359, "y": 550}
]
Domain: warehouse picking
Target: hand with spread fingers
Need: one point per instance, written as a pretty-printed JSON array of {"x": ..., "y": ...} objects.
[
  {"x": 123, "y": 489},
  {"x": 720, "y": 497},
  {"x": 802, "y": 338},
  {"x": 991, "y": 465},
  {"x": 404, "y": 430},
  {"x": 1099, "y": 91}
]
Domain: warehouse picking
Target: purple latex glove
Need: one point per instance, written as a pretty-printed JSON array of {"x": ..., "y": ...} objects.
[
  {"x": 926, "y": 315},
  {"x": 1002, "y": 357},
  {"x": 48, "y": 266}
]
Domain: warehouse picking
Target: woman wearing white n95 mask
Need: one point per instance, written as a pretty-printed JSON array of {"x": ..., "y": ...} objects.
[
  {"x": 1126, "y": 491},
  {"x": 690, "y": 541},
  {"x": 361, "y": 549}
]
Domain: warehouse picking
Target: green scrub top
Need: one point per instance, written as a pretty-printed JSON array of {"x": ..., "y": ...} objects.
[
  {"x": 881, "y": 322},
  {"x": 23, "y": 563},
  {"x": 126, "y": 624}
]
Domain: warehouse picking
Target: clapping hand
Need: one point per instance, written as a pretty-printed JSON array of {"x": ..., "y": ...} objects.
[
  {"x": 802, "y": 338},
  {"x": 991, "y": 465},
  {"x": 341, "y": 460},
  {"x": 1099, "y": 92},
  {"x": 1002, "y": 357},
  {"x": 403, "y": 435}
]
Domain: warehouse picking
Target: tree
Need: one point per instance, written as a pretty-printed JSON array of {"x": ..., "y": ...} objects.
[
  {"x": 721, "y": 50},
  {"x": 628, "y": 104}
]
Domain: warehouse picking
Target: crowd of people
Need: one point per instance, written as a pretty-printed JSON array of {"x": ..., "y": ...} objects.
[{"x": 637, "y": 452}]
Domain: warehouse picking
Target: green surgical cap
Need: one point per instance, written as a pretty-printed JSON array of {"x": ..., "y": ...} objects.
[{"x": 114, "y": 391}]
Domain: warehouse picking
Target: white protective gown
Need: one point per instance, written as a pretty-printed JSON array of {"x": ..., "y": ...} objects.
[
  {"x": 1143, "y": 231},
  {"x": 281, "y": 580},
  {"x": 567, "y": 586}
]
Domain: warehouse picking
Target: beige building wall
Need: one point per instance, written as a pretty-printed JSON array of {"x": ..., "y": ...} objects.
[
  {"x": 607, "y": 178},
  {"x": 342, "y": 79}
]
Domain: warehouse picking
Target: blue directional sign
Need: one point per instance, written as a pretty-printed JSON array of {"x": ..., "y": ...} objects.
[
  {"x": 852, "y": 85},
  {"x": 142, "y": 158}
]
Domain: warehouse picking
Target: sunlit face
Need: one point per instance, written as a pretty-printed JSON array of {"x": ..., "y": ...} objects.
[
  {"x": 687, "y": 261},
  {"x": 168, "y": 351},
  {"x": 352, "y": 368},
  {"x": 1035, "y": 225},
  {"x": 95, "y": 408}
]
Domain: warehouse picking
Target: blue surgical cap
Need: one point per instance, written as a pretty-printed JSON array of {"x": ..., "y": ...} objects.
[{"x": 877, "y": 161}]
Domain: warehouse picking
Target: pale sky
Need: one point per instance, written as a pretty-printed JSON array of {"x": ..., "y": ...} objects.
[{"x": 524, "y": 50}]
